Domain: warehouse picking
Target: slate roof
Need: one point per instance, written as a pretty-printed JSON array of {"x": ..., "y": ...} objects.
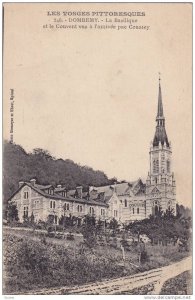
[
  {"x": 120, "y": 188},
  {"x": 40, "y": 189},
  {"x": 104, "y": 193},
  {"x": 97, "y": 195}
]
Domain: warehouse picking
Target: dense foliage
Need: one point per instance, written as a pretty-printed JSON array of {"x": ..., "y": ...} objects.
[
  {"x": 30, "y": 264},
  {"x": 12, "y": 214},
  {"x": 163, "y": 227},
  {"x": 19, "y": 165}
]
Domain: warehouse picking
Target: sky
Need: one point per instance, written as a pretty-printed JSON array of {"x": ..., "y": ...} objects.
[{"x": 91, "y": 95}]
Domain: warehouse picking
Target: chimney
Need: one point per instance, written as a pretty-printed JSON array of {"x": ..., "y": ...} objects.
[
  {"x": 91, "y": 188},
  {"x": 21, "y": 183},
  {"x": 33, "y": 181},
  {"x": 79, "y": 190},
  {"x": 59, "y": 186}
]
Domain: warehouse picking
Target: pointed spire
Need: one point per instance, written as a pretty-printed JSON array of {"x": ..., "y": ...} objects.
[
  {"x": 160, "y": 137},
  {"x": 160, "y": 105}
]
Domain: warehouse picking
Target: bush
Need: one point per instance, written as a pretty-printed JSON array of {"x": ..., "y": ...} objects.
[
  {"x": 15, "y": 224},
  {"x": 50, "y": 234},
  {"x": 124, "y": 243},
  {"x": 70, "y": 237},
  {"x": 59, "y": 236},
  {"x": 38, "y": 226},
  {"x": 114, "y": 243},
  {"x": 50, "y": 229},
  {"x": 59, "y": 228}
]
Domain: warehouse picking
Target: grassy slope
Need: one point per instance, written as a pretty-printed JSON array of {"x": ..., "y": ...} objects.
[{"x": 30, "y": 264}]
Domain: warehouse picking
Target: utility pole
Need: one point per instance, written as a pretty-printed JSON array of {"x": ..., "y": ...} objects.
[
  {"x": 123, "y": 253},
  {"x": 54, "y": 221}
]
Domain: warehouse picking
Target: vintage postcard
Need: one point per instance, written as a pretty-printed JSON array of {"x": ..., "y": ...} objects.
[{"x": 97, "y": 149}]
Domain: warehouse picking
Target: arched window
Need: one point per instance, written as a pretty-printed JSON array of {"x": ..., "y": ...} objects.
[
  {"x": 154, "y": 166},
  {"x": 157, "y": 166},
  {"x": 169, "y": 205},
  {"x": 168, "y": 166},
  {"x": 155, "y": 208},
  {"x": 138, "y": 210},
  {"x": 125, "y": 202}
]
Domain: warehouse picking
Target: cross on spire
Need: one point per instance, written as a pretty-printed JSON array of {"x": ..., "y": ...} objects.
[{"x": 159, "y": 77}]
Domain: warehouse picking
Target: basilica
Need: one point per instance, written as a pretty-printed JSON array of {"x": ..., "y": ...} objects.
[{"x": 126, "y": 202}]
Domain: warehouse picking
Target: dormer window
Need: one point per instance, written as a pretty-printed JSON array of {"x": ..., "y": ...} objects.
[
  {"x": 64, "y": 194},
  {"x": 50, "y": 191}
]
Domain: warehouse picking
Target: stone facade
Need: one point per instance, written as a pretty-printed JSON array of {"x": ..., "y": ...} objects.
[{"x": 42, "y": 201}]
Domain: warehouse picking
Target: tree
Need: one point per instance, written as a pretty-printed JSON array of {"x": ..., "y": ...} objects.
[
  {"x": 40, "y": 164},
  {"x": 50, "y": 219},
  {"x": 12, "y": 212},
  {"x": 114, "y": 225},
  {"x": 169, "y": 213},
  {"x": 42, "y": 153},
  {"x": 89, "y": 230},
  {"x": 163, "y": 227},
  {"x": 32, "y": 218},
  {"x": 183, "y": 211}
]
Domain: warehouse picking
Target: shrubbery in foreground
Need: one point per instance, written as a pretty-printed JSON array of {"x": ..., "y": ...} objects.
[{"x": 30, "y": 265}]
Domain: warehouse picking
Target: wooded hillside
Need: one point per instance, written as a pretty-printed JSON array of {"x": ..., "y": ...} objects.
[{"x": 40, "y": 164}]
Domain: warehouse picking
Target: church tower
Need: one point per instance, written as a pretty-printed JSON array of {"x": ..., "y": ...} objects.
[{"x": 160, "y": 183}]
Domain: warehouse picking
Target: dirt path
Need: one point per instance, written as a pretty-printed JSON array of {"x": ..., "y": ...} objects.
[
  {"x": 172, "y": 271},
  {"x": 124, "y": 284}
]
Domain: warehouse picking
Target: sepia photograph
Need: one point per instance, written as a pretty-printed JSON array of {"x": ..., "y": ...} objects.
[{"x": 97, "y": 149}]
